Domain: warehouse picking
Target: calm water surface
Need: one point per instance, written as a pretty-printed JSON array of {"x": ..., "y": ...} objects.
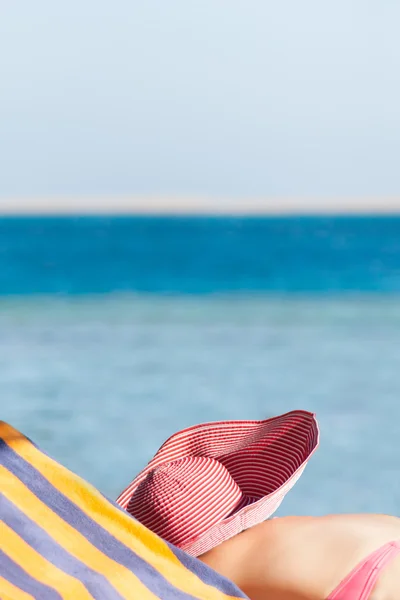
[{"x": 101, "y": 381}]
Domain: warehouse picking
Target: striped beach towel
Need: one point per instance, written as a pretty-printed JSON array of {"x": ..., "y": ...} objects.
[{"x": 62, "y": 539}]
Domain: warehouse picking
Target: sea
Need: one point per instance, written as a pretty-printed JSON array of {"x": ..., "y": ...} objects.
[{"x": 116, "y": 332}]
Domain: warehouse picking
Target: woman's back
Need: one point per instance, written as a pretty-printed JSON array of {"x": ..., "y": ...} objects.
[{"x": 306, "y": 558}]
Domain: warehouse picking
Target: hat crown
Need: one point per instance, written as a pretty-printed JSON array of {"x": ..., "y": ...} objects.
[{"x": 197, "y": 491}]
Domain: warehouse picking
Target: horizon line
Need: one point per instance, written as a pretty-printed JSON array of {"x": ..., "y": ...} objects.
[{"x": 195, "y": 206}]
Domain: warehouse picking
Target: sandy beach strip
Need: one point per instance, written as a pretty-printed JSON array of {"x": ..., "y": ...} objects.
[{"x": 58, "y": 206}]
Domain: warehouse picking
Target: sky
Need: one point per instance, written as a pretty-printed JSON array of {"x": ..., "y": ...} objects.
[{"x": 216, "y": 99}]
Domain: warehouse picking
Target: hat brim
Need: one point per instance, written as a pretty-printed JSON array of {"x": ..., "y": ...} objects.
[{"x": 265, "y": 458}]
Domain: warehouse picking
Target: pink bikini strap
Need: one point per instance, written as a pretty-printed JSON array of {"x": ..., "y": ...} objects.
[{"x": 360, "y": 582}]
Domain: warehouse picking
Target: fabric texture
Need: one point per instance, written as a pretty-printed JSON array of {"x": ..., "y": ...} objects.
[
  {"x": 60, "y": 538},
  {"x": 209, "y": 482},
  {"x": 360, "y": 582}
]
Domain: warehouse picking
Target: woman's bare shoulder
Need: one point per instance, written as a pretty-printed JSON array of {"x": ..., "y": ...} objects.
[
  {"x": 321, "y": 531},
  {"x": 322, "y": 520}
]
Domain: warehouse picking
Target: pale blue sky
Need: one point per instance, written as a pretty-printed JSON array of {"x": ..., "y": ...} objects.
[{"x": 220, "y": 98}]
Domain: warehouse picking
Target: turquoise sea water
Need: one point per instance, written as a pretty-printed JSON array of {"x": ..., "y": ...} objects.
[
  {"x": 186, "y": 255},
  {"x": 110, "y": 341}
]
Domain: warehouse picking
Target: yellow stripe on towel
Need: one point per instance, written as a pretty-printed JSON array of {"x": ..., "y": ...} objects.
[{"x": 10, "y": 592}]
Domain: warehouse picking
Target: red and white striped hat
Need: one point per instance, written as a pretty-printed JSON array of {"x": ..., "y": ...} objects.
[{"x": 211, "y": 481}]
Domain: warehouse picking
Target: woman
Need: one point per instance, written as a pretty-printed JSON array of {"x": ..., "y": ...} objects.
[
  {"x": 336, "y": 557},
  {"x": 211, "y": 490}
]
